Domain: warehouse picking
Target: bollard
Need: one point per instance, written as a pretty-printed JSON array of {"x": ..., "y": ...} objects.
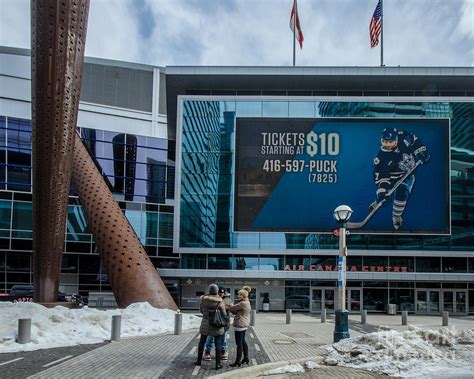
[
  {"x": 115, "y": 334},
  {"x": 253, "y": 317},
  {"x": 404, "y": 317},
  {"x": 363, "y": 317},
  {"x": 288, "y": 316},
  {"x": 323, "y": 315},
  {"x": 178, "y": 323},
  {"x": 445, "y": 318},
  {"x": 24, "y": 330}
]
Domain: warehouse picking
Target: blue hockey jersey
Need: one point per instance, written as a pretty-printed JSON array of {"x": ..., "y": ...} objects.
[{"x": 391, "y": 165}]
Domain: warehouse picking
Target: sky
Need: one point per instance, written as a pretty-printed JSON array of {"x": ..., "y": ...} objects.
[{"x": 257, "y": 33}]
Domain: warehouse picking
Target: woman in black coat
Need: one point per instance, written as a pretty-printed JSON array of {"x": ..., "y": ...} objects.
[{"x": 211, "y": 302}]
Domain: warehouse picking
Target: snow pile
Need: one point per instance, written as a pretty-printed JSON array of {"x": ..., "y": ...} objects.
[
  {"x": 311, "y": 364},
  {"x": 414, "y": 352},
  {"x": 294, "y": 369},
  {"x": 60, "y": 326}
]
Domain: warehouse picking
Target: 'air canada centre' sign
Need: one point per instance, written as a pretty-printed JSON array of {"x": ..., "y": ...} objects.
[{"x": 290, "y": 174}]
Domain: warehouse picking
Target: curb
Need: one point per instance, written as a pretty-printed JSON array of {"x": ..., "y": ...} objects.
[{"x": 255, "y": 371}]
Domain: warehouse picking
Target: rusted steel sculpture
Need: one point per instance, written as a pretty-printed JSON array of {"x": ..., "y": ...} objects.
[
  {"x": 58, "y": 34},
  {"x": 131, "y": 273},
  {"x": 57, "y": 56}
]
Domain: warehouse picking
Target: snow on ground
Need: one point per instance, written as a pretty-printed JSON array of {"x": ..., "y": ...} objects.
[
  {"x": 415, "y": 352},
  {"x": 60, "y": 326},
  {"x": 295, "y": 368}
]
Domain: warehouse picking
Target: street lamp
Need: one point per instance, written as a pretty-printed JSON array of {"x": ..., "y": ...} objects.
[{"x": 342, "y": 214}]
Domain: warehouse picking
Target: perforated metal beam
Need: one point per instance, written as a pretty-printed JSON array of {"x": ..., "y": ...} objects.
[
  {"x": 131, "y": 273},
  {"x": 58, "y": 33}
]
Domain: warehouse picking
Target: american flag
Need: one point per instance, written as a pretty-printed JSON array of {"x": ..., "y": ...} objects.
[{"x": 375, "y": 27}]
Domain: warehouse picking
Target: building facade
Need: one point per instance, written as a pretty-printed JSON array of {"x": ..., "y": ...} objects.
[{"x": 163, "y": 139}]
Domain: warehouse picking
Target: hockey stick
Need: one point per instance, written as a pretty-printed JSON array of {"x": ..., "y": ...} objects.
[{"x": 356, "y": 225}]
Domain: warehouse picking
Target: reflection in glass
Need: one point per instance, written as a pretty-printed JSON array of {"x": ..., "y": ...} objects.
[
  {"x": 244, "y": 263},
  {"x": 5, "y": 214},
  {"x": 275, "y": 109},
  {"x": 297, "y": 298},
  {"x": 22, "y": 216}
]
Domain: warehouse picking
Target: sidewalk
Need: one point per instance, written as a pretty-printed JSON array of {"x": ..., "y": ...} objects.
[{"x": 271, "y": 340}]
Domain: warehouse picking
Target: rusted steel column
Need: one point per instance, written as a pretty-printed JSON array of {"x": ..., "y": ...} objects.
[
  {"x": 131, "y": 273},
  {"x": 58, "y": 34}
]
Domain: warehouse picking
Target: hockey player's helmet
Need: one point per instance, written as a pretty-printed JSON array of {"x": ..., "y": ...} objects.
[{"x": 389, "y": 138}]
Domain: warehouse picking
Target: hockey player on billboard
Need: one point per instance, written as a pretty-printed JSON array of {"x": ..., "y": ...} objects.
[{"x": 400, "y": 152}]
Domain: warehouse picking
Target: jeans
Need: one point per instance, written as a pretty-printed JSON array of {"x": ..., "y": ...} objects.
[
  {"x": 202, "y": 341},
  {"x": 241, "y": 345},
  {"x": 210, "y": 342}
]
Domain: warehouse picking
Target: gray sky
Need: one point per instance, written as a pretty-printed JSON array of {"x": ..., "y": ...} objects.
[{"x": 256, "y": 32}]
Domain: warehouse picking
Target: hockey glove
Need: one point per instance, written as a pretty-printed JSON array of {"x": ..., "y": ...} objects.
[
  {"x": 383, "y": 199},
  {"x": 421, "y": 154}
]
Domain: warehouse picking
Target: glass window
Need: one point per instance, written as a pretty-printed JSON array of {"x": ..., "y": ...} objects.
[
  {"x": 275, "y": 109},
  {"x": 166, "y": 226},
  {"x": 167, "y": 263},
  {"x": 271, "y": 263},
  {"x": 22, "y": 216},
  {"x": 428, "y": 264},
  {"x": 219, "y": 262},
  {"x": 298, "y": 263},
  {"x": 301, "y": 109},
  {"x": 76, "y": 222},
  {"x": 471, "y": 264},
  {"x": 402, "y": 264},
  {"x": 375, "y": 264},
  {"x": 354, "y": 263},
  {"x": 375, "y": 299},
  {"x": 17, "y": 261},
  {"x": 375, "y": 284},
  {"x": 89, "y": 264},
  {"x": 194, "y": 261},
  {"x": 69, "y": 263},
  {"x": 150, "y": 226},
  {"x": 324, "y": 263},
  {"x": 404, "y": 298},
  {"x": 297, "y": 298},
  {"x": 244, "y": 262},
  {"x": 5, "y": 214},
  {"x": 297, "y": 283},
  {"x": 454, "y": 264},
  {"x": 248, "y": 109}
]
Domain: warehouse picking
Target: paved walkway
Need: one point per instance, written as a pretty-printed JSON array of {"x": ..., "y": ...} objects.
[{"x": 271, "y": 340}]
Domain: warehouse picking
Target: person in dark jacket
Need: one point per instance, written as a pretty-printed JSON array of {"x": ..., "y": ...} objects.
[
  {"x": 241, "y": 324},
  {"x": 211, "y": 302},
  {"x": 210, "y": 340}
]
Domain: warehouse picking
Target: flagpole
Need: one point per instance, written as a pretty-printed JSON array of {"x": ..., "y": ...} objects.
[
  {"x": 294, "y": 32},
  {"x": 381, "y": 45}
]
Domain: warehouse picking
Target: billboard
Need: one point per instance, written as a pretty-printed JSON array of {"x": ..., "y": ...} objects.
[{"x": 290, "y": 174}]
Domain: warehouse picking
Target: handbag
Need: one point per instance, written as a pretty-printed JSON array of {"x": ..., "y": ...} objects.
[{"x": 216, "y": 318}]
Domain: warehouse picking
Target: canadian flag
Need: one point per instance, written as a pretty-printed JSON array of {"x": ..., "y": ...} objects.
[{"x": 299, "y": 34}]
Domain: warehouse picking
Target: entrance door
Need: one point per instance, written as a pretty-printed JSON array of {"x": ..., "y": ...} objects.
[
  {"x": 427, "y": 301},
  {"x": 353, "y": 299},
  {"x": 454, "y": 301},
  {"x": 322, "y": 298},
  {"x": 316, "y": 300}
]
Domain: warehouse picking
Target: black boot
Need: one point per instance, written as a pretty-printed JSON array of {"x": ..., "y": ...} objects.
[
  {"x": 218, "y": 359},
  {"x": 246, "y": 354},
  {"x": 199, "y": 358},
  {"x": 238, "y": 358}
]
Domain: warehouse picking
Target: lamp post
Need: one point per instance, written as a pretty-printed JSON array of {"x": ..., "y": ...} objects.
[{"x": 342, "y": 214}]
